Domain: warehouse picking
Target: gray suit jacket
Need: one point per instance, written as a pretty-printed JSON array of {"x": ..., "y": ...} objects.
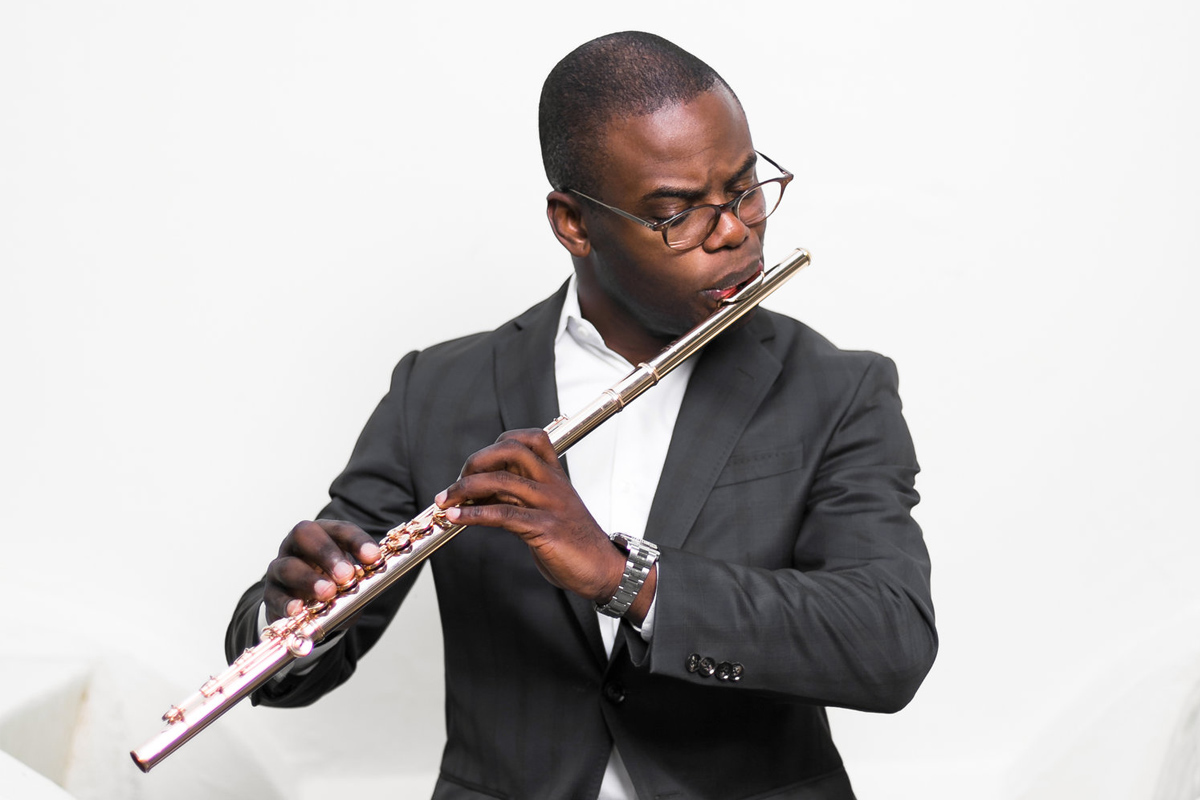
[{"x": 787, "y": 548}]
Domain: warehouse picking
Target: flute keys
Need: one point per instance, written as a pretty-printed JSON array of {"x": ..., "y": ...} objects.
[
  {"x": 299, "y": 646},
  {"x": 398, "y": 544}
]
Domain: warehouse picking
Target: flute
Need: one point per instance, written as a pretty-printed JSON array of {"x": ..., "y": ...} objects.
[{"x": 407, "y": 545}]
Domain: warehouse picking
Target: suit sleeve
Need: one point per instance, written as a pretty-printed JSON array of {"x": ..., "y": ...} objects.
[
  {"x": 374, "y": 492},
  {"x": 851, "y": 622}
]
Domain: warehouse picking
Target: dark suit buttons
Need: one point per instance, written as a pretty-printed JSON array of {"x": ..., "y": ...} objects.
[
  {"x": 707, "y": 667},
  {"x": 729, "y": 672},
  {"x": 614, "y": 692}
]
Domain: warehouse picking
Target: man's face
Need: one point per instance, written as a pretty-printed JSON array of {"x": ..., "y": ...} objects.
[{"x": 659, "y": 165}]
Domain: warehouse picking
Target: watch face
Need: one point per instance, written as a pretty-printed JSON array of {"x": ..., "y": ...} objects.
[
  {"x": 632, "y": 544},
  {"x": 621, "y": 540}
]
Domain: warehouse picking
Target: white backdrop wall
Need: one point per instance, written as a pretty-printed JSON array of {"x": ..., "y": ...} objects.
[{"x": 222, "y": 223}]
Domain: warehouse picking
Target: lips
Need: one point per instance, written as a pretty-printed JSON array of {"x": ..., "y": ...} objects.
[{"x": 738, "y": 282}]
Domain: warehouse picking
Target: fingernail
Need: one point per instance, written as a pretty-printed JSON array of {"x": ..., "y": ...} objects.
[
  {"x": 294, "y": 607},
  {"x": 440, "y": 500},
  {"x": 343, "y": 572},
  {"x": 324, "y": 588},
  {"x": 369, "y": 553},
  {"x": 453, "y": 513}
]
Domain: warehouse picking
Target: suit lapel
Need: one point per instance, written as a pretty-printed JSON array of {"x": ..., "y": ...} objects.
[
  {"x": 732, "y": 376},
  {"x": 730, "y": 381},
  {"x": 525, "y": 387},
  {"x": 528, "y": 398}
]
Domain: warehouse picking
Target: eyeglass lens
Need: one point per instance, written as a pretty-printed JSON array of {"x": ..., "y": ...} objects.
[{"x": 696, "y": 225}]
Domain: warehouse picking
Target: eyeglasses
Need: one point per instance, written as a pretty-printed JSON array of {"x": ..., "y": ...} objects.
[{"x": 691, "y": 227}]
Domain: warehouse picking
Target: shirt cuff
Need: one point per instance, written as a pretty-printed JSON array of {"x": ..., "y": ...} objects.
[{"x": 647, "y": 627}]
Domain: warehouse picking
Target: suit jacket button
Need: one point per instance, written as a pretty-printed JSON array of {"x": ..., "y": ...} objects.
[
  {"x": 707, "y": 667},
  {"x": 724, "y": 671},
  {"x": 693, "y": 662},
  {"x": 614, "y": 692},
  {"x": 735, "y": 671}
]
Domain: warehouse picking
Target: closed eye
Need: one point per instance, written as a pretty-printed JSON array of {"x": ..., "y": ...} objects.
[{"x": 664, "y": 215}]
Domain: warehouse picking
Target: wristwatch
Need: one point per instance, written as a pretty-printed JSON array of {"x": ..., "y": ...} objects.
[{"x": 641, "y": 556}]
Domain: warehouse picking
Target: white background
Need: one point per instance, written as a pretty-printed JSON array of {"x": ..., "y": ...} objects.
[{"x": 222, "y": 223}]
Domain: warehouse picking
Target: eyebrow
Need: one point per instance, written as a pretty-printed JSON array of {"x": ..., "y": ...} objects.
[{"x": 692, "y": 195}]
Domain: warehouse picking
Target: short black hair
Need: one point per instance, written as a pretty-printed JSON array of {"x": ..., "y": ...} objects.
[{"x": 626, "y": 74}]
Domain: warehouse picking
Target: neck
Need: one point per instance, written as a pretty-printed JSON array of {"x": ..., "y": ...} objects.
[{"x": 621, "y": 333}]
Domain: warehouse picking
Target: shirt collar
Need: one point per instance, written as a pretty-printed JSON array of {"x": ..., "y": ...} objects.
[{"x": 570, "y": 308}]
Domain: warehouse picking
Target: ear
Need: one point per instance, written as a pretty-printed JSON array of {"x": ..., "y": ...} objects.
[{"x": 566, "y": 220}]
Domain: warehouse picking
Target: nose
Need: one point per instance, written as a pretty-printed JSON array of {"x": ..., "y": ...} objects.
[{"x": 729, "y": 232}]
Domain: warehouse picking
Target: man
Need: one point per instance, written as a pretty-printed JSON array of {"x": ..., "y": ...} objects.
[{"x": 768, "y": 563}]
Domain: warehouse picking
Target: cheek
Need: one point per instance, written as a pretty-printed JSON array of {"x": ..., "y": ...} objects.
[{"x": 639, "y": 269}]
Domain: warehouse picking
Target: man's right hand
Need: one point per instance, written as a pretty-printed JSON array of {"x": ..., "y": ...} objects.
[{"x": 314, "y": 560}]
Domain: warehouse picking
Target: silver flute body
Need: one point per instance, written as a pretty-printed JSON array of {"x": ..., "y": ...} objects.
[{"x": 407, "y": 545}]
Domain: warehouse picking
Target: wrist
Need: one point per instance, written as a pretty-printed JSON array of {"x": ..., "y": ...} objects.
[{"x": 614, "y": 570}]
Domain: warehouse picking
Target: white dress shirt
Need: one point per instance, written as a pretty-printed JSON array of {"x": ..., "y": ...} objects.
[{"x": 615, "y": 468}]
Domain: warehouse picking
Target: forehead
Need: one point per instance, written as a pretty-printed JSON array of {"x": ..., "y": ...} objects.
[{"x": 694, "y": 145}]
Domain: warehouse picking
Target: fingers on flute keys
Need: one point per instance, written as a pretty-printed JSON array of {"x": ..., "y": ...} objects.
[
  {"x": 518, "y": 484},
  {"x": 315, "y": 558},
  {"x": 519, "y": 471}
]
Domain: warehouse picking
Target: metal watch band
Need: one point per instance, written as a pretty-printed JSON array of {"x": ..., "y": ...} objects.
[{"x": 640, "y": 557}]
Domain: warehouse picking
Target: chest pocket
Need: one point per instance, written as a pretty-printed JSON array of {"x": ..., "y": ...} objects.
[{"x": 757, "y": 464}]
